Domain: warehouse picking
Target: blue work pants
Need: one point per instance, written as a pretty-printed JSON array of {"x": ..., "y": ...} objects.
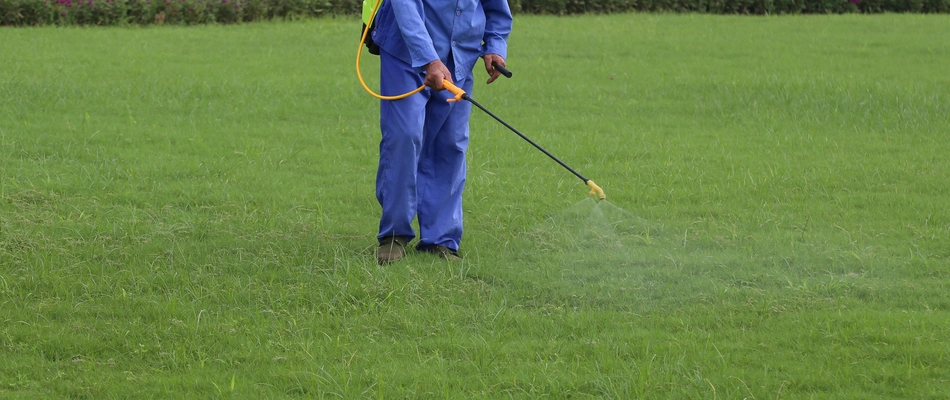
[{"x": 421, "y": 157}]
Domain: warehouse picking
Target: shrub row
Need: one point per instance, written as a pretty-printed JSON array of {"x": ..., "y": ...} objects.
[{"x": 118, "y": 12}]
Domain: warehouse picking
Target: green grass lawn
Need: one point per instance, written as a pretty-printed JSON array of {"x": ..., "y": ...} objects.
[{"x": 190, "y": 212}]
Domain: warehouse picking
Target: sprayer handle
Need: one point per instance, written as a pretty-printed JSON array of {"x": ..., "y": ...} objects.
[
  {"x": 457, "y": 91},
  {"x": 504, "y": 71}
]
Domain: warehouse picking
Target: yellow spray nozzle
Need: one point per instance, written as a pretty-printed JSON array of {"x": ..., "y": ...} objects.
[
  {"x": 457, "y": 91},
  {"x": 596, "y": 191}
]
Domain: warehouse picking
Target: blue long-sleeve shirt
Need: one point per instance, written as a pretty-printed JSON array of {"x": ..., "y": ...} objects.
[{"x": 421, "y": 31}]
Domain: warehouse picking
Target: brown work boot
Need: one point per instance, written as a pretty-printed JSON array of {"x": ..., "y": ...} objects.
[
  {"x": 445, "y": 253},
  {"x": 390, "y": 250}
]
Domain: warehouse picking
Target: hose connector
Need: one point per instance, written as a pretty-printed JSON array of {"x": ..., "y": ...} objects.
[
  {"x": 457, "y": 91},
  {"x": 595, "y": 191}
]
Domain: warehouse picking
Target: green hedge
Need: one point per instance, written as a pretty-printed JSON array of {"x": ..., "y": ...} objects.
[{"x": 118, "y": 12}]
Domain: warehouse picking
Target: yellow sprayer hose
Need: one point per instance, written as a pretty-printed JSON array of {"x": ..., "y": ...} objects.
[{"x": 359, "y": 53}]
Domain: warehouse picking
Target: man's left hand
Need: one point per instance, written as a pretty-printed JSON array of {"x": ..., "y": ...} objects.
[{"x": 493, "y": 58}]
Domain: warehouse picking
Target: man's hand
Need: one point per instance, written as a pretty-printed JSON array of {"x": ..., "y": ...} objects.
[
  {"x": 436, "y": 72},
  {"x": 493, "y": 58}
]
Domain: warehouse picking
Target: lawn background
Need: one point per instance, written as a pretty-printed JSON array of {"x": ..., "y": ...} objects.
[{"x": 189, "y": 212}]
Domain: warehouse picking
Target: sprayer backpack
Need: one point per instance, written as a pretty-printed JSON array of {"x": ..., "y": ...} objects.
[{"x": 367, "y": 14}]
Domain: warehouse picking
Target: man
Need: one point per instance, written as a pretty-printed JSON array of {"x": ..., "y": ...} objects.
[{"x": 424, "y": 138}]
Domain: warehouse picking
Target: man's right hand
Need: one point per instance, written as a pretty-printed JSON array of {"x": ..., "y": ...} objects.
[{"x": 436, "y": 72}]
